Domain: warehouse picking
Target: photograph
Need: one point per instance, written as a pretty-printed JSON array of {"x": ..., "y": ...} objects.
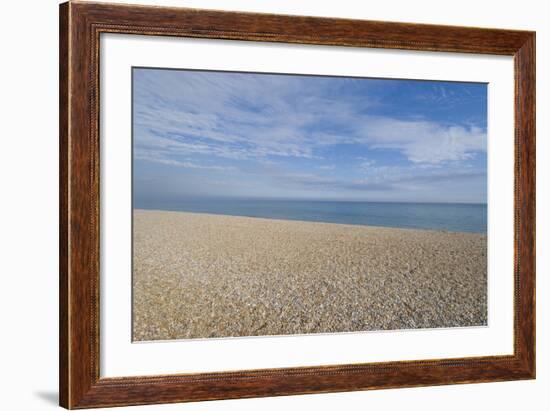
[{"x": 269, "y": 204}]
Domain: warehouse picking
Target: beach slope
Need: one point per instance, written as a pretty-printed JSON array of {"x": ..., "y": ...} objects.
[{"x": 202, "y": 275}]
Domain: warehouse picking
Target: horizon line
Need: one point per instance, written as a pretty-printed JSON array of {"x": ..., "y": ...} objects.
[{"x": 214, "y": 197}]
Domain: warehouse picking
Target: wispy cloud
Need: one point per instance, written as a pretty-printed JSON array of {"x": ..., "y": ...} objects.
[{"x": 162, "y": 158}]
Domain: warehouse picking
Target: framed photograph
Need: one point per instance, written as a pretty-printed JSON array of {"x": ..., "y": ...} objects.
[{"x": 257, "y": 205}]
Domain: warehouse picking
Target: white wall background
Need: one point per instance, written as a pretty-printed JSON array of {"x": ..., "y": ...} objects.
[{"x": 28, "y": 205}]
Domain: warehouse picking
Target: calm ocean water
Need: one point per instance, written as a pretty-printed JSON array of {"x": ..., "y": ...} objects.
[{"x": 432, "y": 216}]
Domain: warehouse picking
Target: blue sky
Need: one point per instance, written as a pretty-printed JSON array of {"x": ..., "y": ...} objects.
[{"x": 225, "y": 134}]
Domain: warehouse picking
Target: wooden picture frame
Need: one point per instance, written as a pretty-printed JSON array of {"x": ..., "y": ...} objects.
[{"x": 80, "y": 27}]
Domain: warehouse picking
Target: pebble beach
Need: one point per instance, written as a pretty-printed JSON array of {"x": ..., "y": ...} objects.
[{"x": 214, "y": 276}]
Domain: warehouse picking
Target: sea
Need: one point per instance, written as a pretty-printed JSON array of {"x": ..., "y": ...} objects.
[{"x": 471, "y": 218}]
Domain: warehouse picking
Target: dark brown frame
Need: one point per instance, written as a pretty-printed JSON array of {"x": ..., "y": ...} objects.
[{"x": 80, "y": 27}]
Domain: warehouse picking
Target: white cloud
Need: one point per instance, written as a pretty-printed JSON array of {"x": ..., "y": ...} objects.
[{"x": 423, "y": 141}]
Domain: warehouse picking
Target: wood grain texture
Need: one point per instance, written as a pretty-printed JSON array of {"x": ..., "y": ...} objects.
[
  {"x": 525, "y": 203},
  {"x": 63, "y": 205},
  {"x": 80, "y": 27}
]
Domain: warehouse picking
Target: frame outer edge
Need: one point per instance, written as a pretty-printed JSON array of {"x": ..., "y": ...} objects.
[
  {"x": 526, "y": 207},
  {"x": 80, "y": 384},
  {"x": 78, "y": 225},
  {"x": 64, "y": 351}
]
